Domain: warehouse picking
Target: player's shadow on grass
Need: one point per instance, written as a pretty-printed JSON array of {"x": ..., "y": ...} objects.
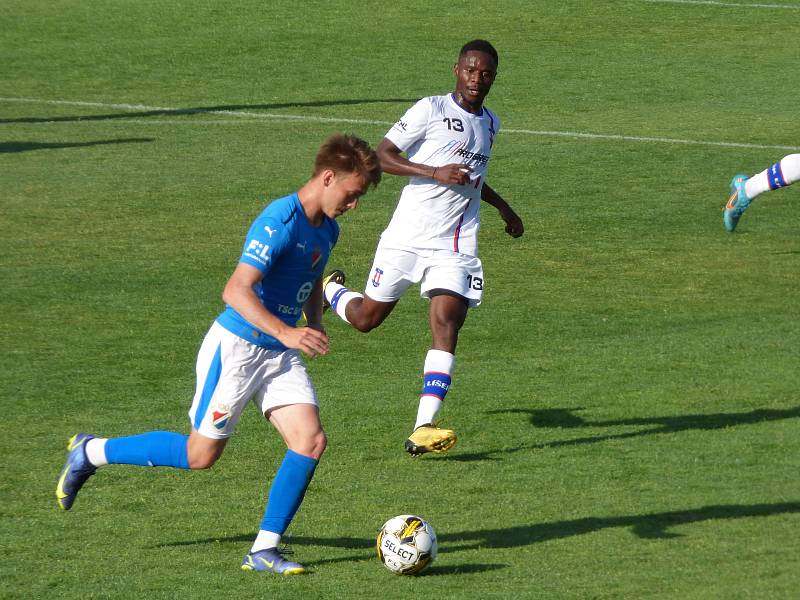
[
  {"x": 348, "y": 543},
  {"x": 221, "y": 109},
  {"x": 435, "y": 570},
  {"x": 564, "y": 418},
  {"x": 365, "y": 550},
  {"x": 9, "y": 147},
  {"x": 652, "y": 526}
]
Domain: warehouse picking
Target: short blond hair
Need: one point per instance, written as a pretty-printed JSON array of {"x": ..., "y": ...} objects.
[{"x": 342, "y": 153}]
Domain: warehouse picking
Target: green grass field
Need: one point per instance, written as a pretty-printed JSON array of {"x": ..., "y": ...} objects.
[{"x": 626, "y": 397}]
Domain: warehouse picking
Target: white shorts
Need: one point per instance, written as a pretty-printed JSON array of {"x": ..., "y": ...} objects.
[
  {"x": 231, "y": 371},
  {"x": 394, "y": 270}
]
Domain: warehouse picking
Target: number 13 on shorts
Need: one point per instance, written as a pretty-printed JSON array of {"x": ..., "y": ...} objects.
[{"x": 475, "y": 283}]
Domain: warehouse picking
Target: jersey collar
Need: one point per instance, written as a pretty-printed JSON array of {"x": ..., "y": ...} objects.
[{"x": 461, "y": 108}]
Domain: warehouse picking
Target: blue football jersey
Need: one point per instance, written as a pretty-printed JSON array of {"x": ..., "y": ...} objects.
[{"x": 292, "y": 254}]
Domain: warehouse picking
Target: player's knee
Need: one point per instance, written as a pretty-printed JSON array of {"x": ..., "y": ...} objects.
[
  {"x": 365, "y": 321},
  {"x": 364, "y": 325},
  {"x": 320, "y": 444},
  {"x": 202, "y": 460},
  {"x": 313, "y": 445},
  {"x": 444, "y": 334},
  {"x": 201, "y": 463},
  {"x": 447, "y": 327},
  {"x": 317, "y": 445}
]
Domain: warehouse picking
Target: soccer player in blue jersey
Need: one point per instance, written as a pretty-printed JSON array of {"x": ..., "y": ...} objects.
[
  {"x": 252, "y": 351},
  {"x": 432, "y": 238},
  {"x": 745, "y": 189}
]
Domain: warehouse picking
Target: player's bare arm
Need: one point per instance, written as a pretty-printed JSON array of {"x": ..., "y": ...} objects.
[
  {"x": 514, "y": 226},
  {"x": 312, "y": 308},
  {"x": 393, "y": 161},
  {"x": 240, "y": 295}
]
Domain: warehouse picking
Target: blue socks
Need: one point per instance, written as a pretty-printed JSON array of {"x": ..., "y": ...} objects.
[
  {"x": 287, "y": 491},
  {"x": 152, "y": 449},
  {"x": 168, "y": 449}
]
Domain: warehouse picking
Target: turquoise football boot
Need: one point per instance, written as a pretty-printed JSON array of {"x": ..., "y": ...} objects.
[{"x": 737, "y": 203}]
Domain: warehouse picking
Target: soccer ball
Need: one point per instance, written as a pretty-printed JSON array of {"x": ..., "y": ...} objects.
[{"x": 406, "y": 544}]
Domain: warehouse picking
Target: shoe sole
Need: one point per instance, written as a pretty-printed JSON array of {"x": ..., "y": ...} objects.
[{"x": 291, "y": 571}]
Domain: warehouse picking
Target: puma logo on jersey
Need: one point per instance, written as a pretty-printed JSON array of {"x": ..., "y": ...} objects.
[{"x": 269, "y": 231}]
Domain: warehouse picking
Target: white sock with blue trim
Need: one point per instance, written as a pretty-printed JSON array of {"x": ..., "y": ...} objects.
[
  {"x": 436, "y": 381},
  {"x": 339, "y": 297},
  {"x": 784, "y": 172}
]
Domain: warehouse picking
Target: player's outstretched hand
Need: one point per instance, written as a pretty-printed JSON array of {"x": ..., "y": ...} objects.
[{"x": 306, "y": 339}]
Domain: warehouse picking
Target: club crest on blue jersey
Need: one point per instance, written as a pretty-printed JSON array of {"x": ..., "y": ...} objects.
[
  {"x": 376, "y": 277},
  {"x": 316, "y": 255}
]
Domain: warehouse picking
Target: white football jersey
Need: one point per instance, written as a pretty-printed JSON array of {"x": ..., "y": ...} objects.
[{"x": 436, "y": 131}]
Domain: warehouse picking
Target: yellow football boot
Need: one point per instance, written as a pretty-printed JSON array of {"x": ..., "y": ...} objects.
[{"x": 429, "y": 438}]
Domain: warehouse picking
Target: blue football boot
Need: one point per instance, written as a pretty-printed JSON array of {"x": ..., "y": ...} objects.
[
  {"x": 271, "y": 561},
  {"x": 737, "y": 203},
  {"x": 76, "y": 470}
]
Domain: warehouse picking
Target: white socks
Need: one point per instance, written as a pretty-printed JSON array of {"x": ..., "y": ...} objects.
[
  {"x": 783, "y": 173},
  {"x": 429, "y": 407},
  {"x": 436, "y": 381},
  {"x": 264, "y": 540},
  {"x": 338, "y": 297},
  {"x": 96, "y": 451}
]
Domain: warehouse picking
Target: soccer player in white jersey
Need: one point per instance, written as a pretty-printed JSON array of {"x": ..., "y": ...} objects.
[
  {"x": 745, "y": 189},
  {"x": 252, "y": 351},
  {"x": 432, "y": 237}
]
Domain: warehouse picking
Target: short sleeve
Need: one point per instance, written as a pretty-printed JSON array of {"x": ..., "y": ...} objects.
[
  {"x": 267, "y": 239},
  {"x": 412, "y": 126}
]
